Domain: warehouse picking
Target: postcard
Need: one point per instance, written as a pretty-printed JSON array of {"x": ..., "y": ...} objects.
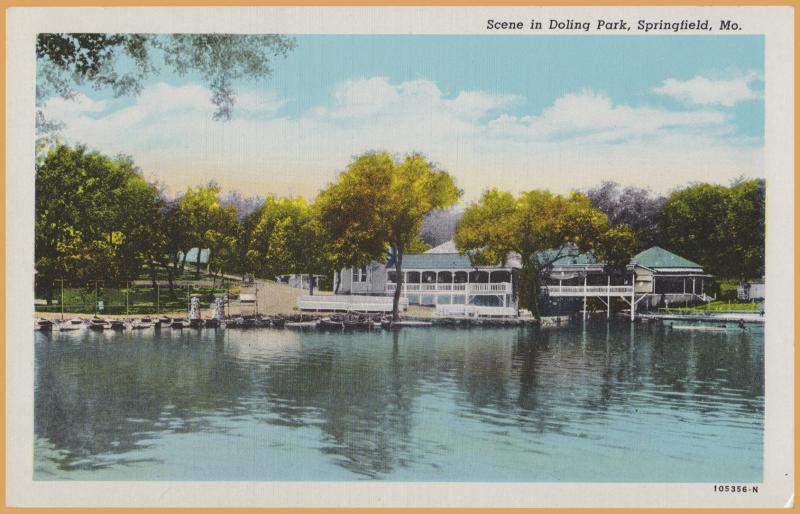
[{"x": 400, "y": 257}]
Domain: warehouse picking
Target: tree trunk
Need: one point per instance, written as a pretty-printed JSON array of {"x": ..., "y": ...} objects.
[
  {"x": 338, "y": 280},
  {"x": 153, "y": 277},
  {"x": 398, "y": 266},
  {"x": 311, "y": 285},
  {"x": 529, "y": 286},
  {"x": 171, "y": 280},
  {"x": 197, "y": 271}
]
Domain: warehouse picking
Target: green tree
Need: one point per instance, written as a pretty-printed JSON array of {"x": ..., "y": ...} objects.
[
  {"x": 377, "y": 205},
  {"x": 720, "y": 227},
  {"x": 122, "y": 63},
  {"x": 207, "y": 222},
  {"x": 93, "y": 217},
  {"x": 284, "y": 238},
  {"x": 538, "y": 226}
]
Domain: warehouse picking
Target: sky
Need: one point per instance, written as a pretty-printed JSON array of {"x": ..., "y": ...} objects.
[{"x": 513, "y": 112}]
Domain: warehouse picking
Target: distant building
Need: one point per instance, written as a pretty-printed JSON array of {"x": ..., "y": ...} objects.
[
  {"x": 191, "y": 256},
  {"x": 748, "y": 291},
  {"x": 299, "y": 280}
]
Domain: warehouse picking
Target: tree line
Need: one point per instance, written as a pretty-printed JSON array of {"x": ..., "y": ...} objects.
[{"x": 98, "y": 218}]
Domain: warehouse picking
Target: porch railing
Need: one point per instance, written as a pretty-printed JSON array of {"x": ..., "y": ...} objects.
[{"x": 495, "y": 288}]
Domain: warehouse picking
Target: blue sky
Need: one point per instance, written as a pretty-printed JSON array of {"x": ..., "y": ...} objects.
[{"x": 517, "y": 112}]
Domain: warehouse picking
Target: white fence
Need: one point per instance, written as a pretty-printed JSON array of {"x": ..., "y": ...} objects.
[
  {"x": 474, "y": 311},
  {"x": 472, "y": 289},
  {"x": 590, "y": 290},
  {"x": 346, "y": 303}
]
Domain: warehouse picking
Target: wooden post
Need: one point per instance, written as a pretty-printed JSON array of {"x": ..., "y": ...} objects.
[
  {"x": 633, "y": 294},
  {"x": 584, "y": 296},
  {"x": 62, "y": 299},
  {"x": 608, "y": 299}
]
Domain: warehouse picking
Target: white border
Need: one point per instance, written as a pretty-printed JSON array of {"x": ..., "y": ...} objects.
[{"x": 776, "y": 23}]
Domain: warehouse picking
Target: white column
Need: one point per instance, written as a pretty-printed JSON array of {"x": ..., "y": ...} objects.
[
  {"x": 608, "y": 299},
  {"x": 633, "y": 295}
]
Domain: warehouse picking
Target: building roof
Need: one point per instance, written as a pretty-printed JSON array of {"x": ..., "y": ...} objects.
[
  {"x": 436, "y": 261},
  {"x": 570, "y": 256},
  {"x": 657, "y": 257},
  {"x": 191, "y": 255},
  {"x": 446, "y": 247}
]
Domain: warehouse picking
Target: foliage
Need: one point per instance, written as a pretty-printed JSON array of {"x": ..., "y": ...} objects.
[
  {"x": 377, "y": 206},
  {"x": 92, "y": 217},
  {"x": 533, "y": 223},
  {"x": 283, "y": 238},
  {"x": 721, "y": 228},
  {"x": 122, "y": 62},
  {"x": 635, "y": 207},
  {"x": 207, "y": 223}
]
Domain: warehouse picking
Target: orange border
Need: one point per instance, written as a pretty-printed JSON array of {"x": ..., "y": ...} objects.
[{"x": 220, "y": 3}]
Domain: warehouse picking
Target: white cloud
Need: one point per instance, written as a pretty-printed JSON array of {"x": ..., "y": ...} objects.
[
  {"x": 589, "y": 116},
  {"x": 580, "y": 139},
  {"x": 58, "y": 108},
  {"x": 701, "y": 90}
]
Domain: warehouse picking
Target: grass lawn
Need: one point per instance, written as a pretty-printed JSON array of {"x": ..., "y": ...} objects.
[
  {"x": 717, "y": 306},
  {"x": 140, "y": 300}
]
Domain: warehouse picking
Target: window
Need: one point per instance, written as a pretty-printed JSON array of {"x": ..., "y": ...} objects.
[
  {"x": 363, "y": 274},
  {"x": 428, "y": 277}
]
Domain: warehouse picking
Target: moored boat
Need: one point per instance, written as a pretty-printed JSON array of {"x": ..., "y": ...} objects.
[
  {"x": 196, "y": 323},
  {"x": 357, "y": 323},
  {"x": 44, "y": 325},
  {"x": 212, "y": 323},
  {"x": 300, "y": 324},
  {"x": 141, "y": 323},
  {"x": 117, "y": 324},
  {"x": 331, "y": 323},
  {"x": 72, "y": 324},
  {"x": 98, "y": 324},
  {"x": 179, "y": 323},
  {"x": 277, "y": 322}
]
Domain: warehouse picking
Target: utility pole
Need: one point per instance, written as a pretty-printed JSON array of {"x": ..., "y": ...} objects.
[
  {"x": 96, "y": 294},
  {"x": 62, "y": 298}
]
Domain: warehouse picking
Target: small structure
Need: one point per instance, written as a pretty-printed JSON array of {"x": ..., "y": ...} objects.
[
  {"x": 667, "y": 279},
  {"x": 191, "y": 255},
  {"x": 194, "y": 307},
  {"x": 749, "y": 291},
  {"x": 248, "y": 301},
  {"x": 299, "y": 280},
  {"x": 349, "y": 303},
  {"x": 218, "y": 309}
]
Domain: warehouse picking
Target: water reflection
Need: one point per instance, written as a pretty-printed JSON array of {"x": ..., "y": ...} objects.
[{"x": 413, "y": 404}]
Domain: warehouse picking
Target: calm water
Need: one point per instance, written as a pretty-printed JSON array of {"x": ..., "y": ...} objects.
[{"x": 596, "y": 403}]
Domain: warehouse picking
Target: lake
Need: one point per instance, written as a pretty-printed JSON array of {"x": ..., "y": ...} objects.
[{"x": 600, "y": 402}]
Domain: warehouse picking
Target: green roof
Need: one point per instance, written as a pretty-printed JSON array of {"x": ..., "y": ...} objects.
[
  {"x": 657, "y": 257},
  {"x": 570, "y": 256},
  {"x": 436, "y": 261}
]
